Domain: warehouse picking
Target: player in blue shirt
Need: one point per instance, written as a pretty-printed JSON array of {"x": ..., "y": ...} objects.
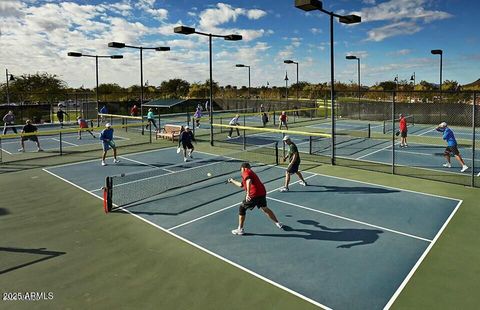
[
  {"x": 451, "y": 146},
  {"x": 107, "y": 142}
]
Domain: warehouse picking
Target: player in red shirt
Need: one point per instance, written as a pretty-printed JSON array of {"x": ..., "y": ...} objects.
[
  {"x": 283, "y": 119},
  {"x": 256, "y": 196},
  {"x": 403, "y": 131},
  {"x": 134, "y": 110},
  {"x": 83, "y": 125}
]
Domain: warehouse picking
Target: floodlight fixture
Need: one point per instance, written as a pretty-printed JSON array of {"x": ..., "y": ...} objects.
[{"x": 308, "y": 5}]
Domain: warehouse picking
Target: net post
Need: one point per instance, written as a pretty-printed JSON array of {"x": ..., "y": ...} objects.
[
  {"x": 369, "y": 134},
  {"x": 60, "y": 138},
  {"x": 393, "y": 132},
  {"x": 473, "y": 137},
  {"x": 150, "y": 133},
  {"x": 193, "y": 125},
  {"x": 274, "y": 118},
  {"x": 244, "y": 135},
  {"x": 221, "y": 123},
  {"x": 276, "y": 153},
  {"x": 107, "y": 195},
  {"x": 310, "y": 142},
  {"x": 283, "y": 145},
  {"x": 126, "y": 124},
  {"x": 1, "y": 150}
]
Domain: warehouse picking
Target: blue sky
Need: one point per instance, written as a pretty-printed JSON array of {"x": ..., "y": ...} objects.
[{"x": 394, "y": 38}]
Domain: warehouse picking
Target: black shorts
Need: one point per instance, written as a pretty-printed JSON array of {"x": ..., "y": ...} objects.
[
  {"x": 31, "y": 138},
  {"x": 187, "y": 145},
  {"x": 403, "y": 134},
  {"x": 451, "y": 150},
  {"x": 259, "y": 202},
  {"x": 293, "y": 168}
]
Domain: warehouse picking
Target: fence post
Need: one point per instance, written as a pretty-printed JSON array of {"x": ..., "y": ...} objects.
[
  {"x": 244, "y": 134},
  {"x": 393, "y": 131},
  {"x": 61, "y": 149},
  {"x": 473, "y": 136}
]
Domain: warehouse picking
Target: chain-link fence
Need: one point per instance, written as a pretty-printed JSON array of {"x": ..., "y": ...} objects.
[{"x": 423, "y": 152}]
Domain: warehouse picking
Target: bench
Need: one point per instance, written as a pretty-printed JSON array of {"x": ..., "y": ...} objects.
[{"x": 169, "y": 132}]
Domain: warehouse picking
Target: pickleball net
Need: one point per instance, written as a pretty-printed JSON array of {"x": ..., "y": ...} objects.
[{"x": 131, "y": 188}]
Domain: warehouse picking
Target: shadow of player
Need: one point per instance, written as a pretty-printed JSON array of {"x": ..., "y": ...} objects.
[{"x": 355, "y": 235}]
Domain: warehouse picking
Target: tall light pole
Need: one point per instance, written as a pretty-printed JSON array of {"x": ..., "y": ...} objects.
[
  {"x": 439, "y": 52},
  {"x": 9, "y": 77},
  {"x": 412, "y": 78},
  {"x": 352, "y": 57},
  {"x": 244, "y": 66},
  {"x": 77, "y": 54},
  {"x": 289, "y": 61},
  {"x": 310, "y": 5},
  {"x": 286, "y": 86},
  {"x": 396, "y": 82},
  {"x": 141, "y": 48},
  {"x": 231, "y": 37}
]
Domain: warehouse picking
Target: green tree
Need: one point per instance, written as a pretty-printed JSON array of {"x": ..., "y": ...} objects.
[
  {"x": 175, "y": 88},
  {"x": 38, "y": 87}
]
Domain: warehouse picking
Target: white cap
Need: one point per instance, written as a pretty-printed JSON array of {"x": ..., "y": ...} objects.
[
  {"x": 108, "y": 125},
  {"x": 187, "y": 127},
  {"x": 443, "y": 124},
  {"x": 286, "y": 138}
]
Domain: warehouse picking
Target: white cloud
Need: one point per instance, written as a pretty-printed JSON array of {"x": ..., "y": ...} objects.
[
  {"x": 256, "y": 14},
  {"x": 316, "y": 31},
  {"x": 401, "y": 28},
  {"x": 359, "y": 54},
  {"x": 401, "y": 52},
  {"x": 401, "y": 9},
  {"x": 369, "y": 1}
]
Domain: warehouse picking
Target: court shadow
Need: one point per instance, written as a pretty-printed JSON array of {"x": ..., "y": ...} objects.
[
  {"x": 353, "y": 236},
  {"x": 348, "y": 189},
  {"x": 45, "y": 255},
  {"x": 4, "y": 211}
]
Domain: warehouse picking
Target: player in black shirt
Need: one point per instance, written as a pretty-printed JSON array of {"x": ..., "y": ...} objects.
[
  {"x": 29, "y": 129},
  {"x": 186, "y": 138},
  {"x": 60, "y": 114}
]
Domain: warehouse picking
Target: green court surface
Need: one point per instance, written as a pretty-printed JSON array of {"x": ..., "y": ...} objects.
[{"x": 353, "y": 240}]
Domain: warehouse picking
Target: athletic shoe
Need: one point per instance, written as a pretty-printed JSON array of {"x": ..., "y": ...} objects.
[
  {"x": 401, "y": 145},
  {"x": 478, "y": 175},
  {"x": 447, "y": 165},
  {"x": 406, "y": 145},
  {"x": 39, "y": 150},
  {"x": 464, "y": 168},
  {"x": 279, "y": 225},
  {"x": 79, "y": 138},
  {"x": 185, "y": 159},
  {"x": 104, "y": 163},
  {"x": 115, "y": 161},
  {"x": 303, "y": 183},
  {"x": 21, "y": 150},
  {"x": 238, "y": 231},
  {"x": 284, "y": 189},
  {"x": 229, "y": 137}
]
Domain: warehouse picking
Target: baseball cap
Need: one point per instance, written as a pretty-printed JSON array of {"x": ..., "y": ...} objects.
[
  {"x": 187, "y": 127},
  {"x": 108, "y": 125},
  {"x": 443, "y": 124},
  {"x": 286, "y": 138}
]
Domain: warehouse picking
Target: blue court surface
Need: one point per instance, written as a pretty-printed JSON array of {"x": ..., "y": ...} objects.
[
  {"x": 346, "y": 244},
  {"x": 427, "y": 155},
  {"x": 52, "y": 143}
]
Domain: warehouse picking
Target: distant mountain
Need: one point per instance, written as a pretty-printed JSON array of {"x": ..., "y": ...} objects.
[{"x": 473, "y": 84}]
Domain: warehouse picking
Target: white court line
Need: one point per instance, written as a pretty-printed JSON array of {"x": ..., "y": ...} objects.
[
  {"x": 420, "y": 260},
  {"x": 145, "y": 164},
  {"x": 204, "y": 249},
  {"x": 350, "y": 220},
  {"x": 6, "y": 151},
  {"x": 374, "y": 152},
  {"x": 72, "y": 144},
  {"x": 255, "y": 274},
  {"x": 90, "y": 160},
  {"x": 362, "y": 182},
  {"x": 226, "y": 208},
  {"x": 423, "y": 133}
]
